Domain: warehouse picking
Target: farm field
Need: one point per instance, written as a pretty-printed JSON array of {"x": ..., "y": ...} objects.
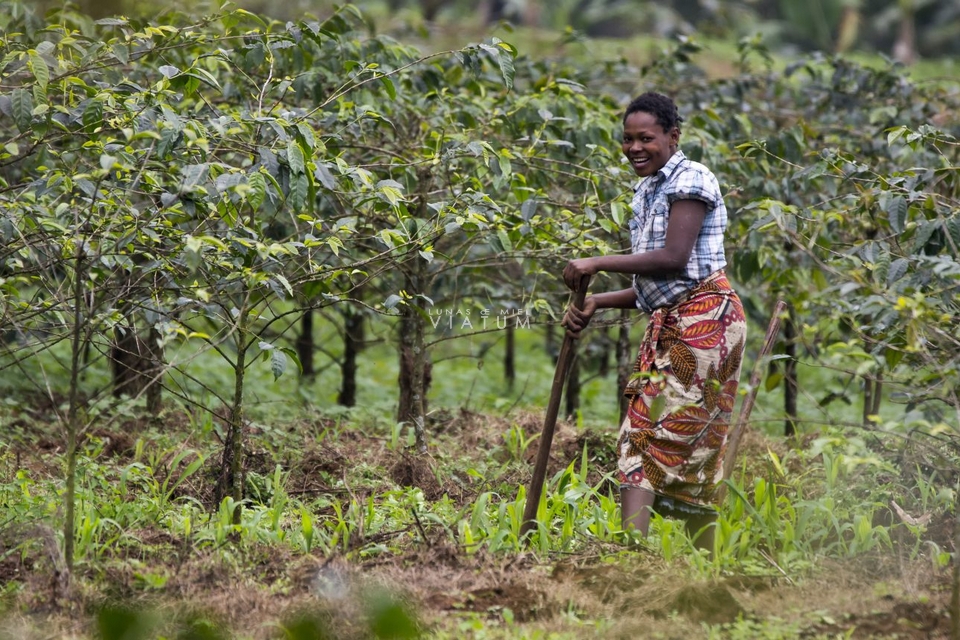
[
  {"x": 346, "y": 533},
  {"x": 280, "y": 307}
]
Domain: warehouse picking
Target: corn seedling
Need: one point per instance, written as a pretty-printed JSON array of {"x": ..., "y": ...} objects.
[{"x": 516, "y": 442}]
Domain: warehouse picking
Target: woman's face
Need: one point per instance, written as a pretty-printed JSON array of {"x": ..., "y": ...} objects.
[{"x": 646, "y": 145}]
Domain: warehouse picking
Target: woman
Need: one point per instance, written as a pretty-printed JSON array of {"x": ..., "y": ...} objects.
[{"x": 685, "y": 382}]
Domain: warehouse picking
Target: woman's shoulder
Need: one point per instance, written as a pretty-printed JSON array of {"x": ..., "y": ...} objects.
[
  {"x": 694, "y": 176},
  {"x": 696, "y": 167}
]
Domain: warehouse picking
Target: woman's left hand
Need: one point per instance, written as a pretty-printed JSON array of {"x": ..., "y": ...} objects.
[
  {"x": 576, "y": 320},
  {"x": 575, "y": 270}
]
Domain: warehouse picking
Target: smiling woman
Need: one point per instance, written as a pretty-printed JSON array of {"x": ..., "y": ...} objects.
[{"x": 688, "y": 368}]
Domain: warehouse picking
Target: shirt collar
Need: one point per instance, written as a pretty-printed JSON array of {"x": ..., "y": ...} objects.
[{"x": 666, "y": 170}]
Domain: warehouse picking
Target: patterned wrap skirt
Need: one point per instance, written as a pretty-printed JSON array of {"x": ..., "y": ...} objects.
[{"x": 681, "y": 397}]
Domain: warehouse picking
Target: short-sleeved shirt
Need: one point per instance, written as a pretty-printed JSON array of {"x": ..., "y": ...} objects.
[{"x": 679, "y": 179}]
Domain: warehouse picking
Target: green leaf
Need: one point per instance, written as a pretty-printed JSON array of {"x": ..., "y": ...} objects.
[
  {"x": 93, "y": 116},
  {"x": 295, "y": 157},
  {"x": 504, "y": 240},
  {"x": 897, "y": 213},
  {"x": 953, "y": 228},
  {"x": 121, "y": 53},
  {"x": 278, "y": 363},
  {"x": 773, "y": 380},
  {"x": 307, "y": 134},
  {"x": 923, "y": 234},
  {"x": 507, "y": 70},
  {"x": 299, "y": 188},
  {"x": 389, "y": 86},
  {"x": 335, "y": 245},
  {"x": 881, "y": 268},
  {"x": 38, "y": 67},
  {"x": 193, "y": 176},
  {"x": 898, "y": 268},
  {"x": 21, "y": 102},
  {"x": 657, "y": 406},
  {"x": 258, "y": 190},
  {"x": 228, "y": 213},
  {"x": 529, "y": 208},
  {"x": 322, "y": 173},
  {"x": 505, "y": 167},
  {"x": 616, "y": 212},
  {"x": 895, "y": 133},
  {"x": 391, "y": 190},
  {"x": 292, "y": 354},
  {"x": 206, "y": 77},
  {"x": 504, "y": 54},
  {"x": 286, "y": 283},
  {"x": 893, "y": 357}
]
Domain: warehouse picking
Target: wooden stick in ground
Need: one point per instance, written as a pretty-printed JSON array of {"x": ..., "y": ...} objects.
[
  {"x": 550, "y": 420},
  {"x": 730, "y": 459}
]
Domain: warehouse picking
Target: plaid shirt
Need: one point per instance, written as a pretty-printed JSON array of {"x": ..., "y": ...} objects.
[{"x": 679, "y": 179}]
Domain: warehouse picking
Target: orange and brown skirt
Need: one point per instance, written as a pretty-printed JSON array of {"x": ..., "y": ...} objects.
[{"x": 682, "y": 395}]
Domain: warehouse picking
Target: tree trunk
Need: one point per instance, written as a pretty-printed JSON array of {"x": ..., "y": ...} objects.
[
  {"x": 877, "y": 394},
  {"x": 905, "y": 48},
  {"x": 155, "y": 373},
  {"x": 73, "y": 423},
  {"x": 625, "y": 359},
  {"x": 603, "y": 361},
  {"x": 573, "y": 388},
  {"x": 849, "y": 29},
  {"x": 230, "y": 481},
  {"x": 494, "y": 10},
  {"x": 791, "y": 388},
  {"x": 354, "y": 335},
  {"x": 509, "y": 370},
  {"x": 136, "y": 356},
  {"x": 872, "y": 395},
  {"x": 414, "y": 366},
  {"x": 137, "y": 365},
  {"x": 430, "y": 8},
  {"x": 305, "y": 345},
  {"x": 550, "y": 342},
  {"x": 955, "y": 574}
]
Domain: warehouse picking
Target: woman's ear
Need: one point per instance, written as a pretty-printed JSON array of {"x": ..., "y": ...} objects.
[{"x": 675, "y": 135}]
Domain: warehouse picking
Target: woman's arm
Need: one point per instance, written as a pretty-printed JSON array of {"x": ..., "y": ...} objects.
[
  {"x": 686, "y": 218},
  {"x": 576, "y": 320}
]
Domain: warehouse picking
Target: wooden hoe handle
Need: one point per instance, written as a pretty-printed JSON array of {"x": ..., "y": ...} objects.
[{"x": 550, "y": 421}]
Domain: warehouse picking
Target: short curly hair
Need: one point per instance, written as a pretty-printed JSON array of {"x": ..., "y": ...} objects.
[{"x": 663, "y": 108}]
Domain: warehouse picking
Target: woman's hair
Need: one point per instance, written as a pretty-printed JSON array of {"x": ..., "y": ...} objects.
[{"x": 659, "y": 106}]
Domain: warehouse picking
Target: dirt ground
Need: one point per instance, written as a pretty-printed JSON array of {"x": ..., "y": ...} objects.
[{"x": 437, "y": 588}]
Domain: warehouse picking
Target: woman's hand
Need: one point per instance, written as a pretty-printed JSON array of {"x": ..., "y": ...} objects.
[
  {"x": 576, "y": 320},
  {"x": 577, "y": 269}
]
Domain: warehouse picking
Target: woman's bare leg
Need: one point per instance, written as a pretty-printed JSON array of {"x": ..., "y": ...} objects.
[
  {"x": 702, "y": 537},
  {"x": 635, "y": 508}
]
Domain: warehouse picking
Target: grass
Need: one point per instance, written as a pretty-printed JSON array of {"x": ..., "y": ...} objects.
[{"x": 342, "y": 529}]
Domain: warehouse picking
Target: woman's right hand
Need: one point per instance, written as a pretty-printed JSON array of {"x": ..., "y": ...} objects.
[{"x": 576, "y": 320}]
